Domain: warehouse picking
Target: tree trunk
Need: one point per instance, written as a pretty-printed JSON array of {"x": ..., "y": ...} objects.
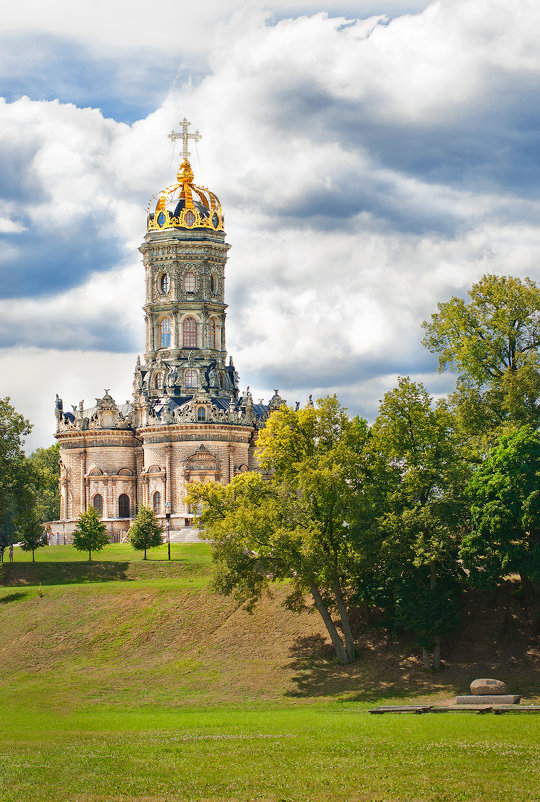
[
  {"x": 437, "y": 654},
  {"x": 345, "y": 623},
  {"x": 337, "y": 643},
  {"x": 33, "y": 560},
  {"x": 532, "y": 598},
  {"x": 89, "y": 555},
  {"x": 144, "y": 558},
  {"x": 425, "y": 659}
]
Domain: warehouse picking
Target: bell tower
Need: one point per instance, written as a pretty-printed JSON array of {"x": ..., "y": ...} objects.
[{"x": 184, "y": 256}]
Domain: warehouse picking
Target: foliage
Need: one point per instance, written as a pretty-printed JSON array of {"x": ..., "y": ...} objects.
[
  {"x": 30, "y": 533},
  {"x": 505, "y": 494},
  {"x": 90, "y": 533},
  {"x": 416, "y": 571},
  {"x": 299, "y": 522},
  {"x": 46, "y": 470},
  {"x": 146, "y": 532},
  {"x": 15, "y": 494},
  {"x": 493, "y": 342}
]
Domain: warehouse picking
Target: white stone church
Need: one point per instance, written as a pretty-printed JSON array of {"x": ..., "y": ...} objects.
[{"x": 188, "y": 420}]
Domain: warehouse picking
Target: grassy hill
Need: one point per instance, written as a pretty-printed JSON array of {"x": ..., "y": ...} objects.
[
  {"x": 131, "y": 680},
  {"x": 105, "y": 630}
]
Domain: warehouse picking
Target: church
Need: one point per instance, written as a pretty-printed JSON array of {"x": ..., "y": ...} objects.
[{"x": 188, "y": 420}]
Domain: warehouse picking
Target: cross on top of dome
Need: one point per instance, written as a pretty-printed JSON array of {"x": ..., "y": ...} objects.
[{"x": 185, "y": 137}]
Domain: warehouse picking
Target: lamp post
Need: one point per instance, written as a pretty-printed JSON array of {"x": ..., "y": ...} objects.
[{"x": 168, "y": 517}]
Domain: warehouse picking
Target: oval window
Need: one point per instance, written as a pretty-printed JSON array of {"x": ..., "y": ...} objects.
[
  {"x": 215, "y": 220},
  {"x": 161, "y": 219},
  {"x": 164, "y": 283},
  {"x": 189, "y": 218}
]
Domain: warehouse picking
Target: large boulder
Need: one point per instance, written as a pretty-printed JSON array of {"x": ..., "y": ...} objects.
[{"x": 488, "y": 687}]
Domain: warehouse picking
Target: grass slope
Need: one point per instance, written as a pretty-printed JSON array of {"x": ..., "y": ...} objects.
[{"x": 131, "y": 680}]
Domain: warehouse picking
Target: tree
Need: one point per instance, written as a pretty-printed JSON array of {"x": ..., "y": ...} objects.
[
  {"x": 15, "y": 496},
  {"x": 46, "y": 468},
  {"x": 146, "y": 532},
  {"x": 493, "y": 342},
  {"x": 299, "y": 521},
  {"x": 30, "y": 533},
  {"x": 417, "y": 576},
  {"x": 90, "y": 533},
  {"x": 505, "y": 510}
]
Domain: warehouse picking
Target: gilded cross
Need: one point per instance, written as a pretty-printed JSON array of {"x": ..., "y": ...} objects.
[{"x": 185, "y": 137}]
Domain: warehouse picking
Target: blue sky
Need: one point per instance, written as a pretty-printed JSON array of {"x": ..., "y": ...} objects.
[{"x": 372, "y": 158}]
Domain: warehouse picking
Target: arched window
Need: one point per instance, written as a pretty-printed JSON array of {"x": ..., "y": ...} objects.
[
  {"x": 123, "y": 506},
  {"x": 156, "y": 502},
  {"x": 213, "y": 283},
  {"x": 164, "y": 283},
  {"x": 192, "y": 378},
  {"x": 212, "y": 333},
  {"x": 201, "y": 413},
  {"x": 159, "y": 381},
  {"x": 165, "y": 333},
  {"x": 97, "y": 504},
  {"x": 190, "y": 282},
  {"x": 189, "y": 332}
]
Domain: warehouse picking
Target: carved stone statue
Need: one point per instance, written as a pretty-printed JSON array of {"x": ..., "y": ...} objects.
[
  {"x": 212, "y": 377},
  {"x": 172, "y": 378}
]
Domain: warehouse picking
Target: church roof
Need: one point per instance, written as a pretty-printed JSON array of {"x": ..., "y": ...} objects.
[{"x": 184, "y": 205}]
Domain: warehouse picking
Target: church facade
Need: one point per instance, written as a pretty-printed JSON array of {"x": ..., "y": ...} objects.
[{"x": 188, "y": 420}]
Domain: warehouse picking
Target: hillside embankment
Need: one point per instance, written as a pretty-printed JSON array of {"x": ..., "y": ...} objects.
[{"x": 145, "y": 633}]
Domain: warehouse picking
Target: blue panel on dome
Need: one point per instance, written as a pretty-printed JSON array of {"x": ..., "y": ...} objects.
[
  {"x": 161, "y": 219},
  {"x": 215, "y": 220},
  {"x": 179, "y": 207}
]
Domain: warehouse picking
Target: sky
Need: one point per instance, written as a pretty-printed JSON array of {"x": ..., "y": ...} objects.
[{"x": 372, "y": 159}]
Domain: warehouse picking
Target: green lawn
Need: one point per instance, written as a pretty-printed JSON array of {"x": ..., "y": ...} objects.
[
  {"x": 320, "y": 752},
  {"x": 130, "y": 680},
  {"x": 190, "y": 552}
]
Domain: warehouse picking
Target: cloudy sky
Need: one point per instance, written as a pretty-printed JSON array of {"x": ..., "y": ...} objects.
[{"x": 372, "y": 158}]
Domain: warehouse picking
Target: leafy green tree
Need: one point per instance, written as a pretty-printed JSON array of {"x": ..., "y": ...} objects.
[
  {"x": 146, "y": 532},
  {"x": 90, "y": 533},
  {"x": 493, "y": 342},
  {"x": 46, "y": 468},
  {"x": 418, "y": 578},
  {"x": 505, "y": 532},
  {"x": 30, "y": 533},
  {"x": 298, "y": 522},
  {"x": 15, "y": 495}
]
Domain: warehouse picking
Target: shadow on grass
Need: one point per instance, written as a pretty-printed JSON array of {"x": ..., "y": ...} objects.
[
  {"x": 370, "y": 677},
  {"x": 495, "y": 637},
  {"x": 11, "y": 597},
  {"x": 42, "y": 573}
]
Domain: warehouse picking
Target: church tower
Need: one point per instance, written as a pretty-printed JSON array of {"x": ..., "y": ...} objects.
[
  {"x": 184, "y": 256},
  {"x": 187, "y": 420}
]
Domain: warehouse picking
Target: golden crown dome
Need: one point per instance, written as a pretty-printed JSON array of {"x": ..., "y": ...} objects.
[{"x": 184, "y": 204}]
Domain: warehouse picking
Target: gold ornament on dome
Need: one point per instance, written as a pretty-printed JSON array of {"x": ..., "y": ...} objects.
[{"x": 194, "y": 197}]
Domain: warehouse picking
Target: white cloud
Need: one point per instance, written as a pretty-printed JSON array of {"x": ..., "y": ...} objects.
[{"x": 360, "y": 178}]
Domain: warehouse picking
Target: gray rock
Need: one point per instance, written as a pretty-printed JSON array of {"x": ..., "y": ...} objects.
[{"x": 491, "y": 687}]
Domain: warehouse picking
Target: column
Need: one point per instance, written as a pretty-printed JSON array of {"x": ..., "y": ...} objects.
[
  {"x": 82, "y": 485},
  {"x": 168, "y": 479}
]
